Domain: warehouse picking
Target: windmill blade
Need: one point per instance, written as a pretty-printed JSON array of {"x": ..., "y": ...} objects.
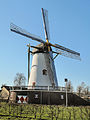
[
  {"x": 67, "y": 54},
  {"x": 21, "y": 31},
  {"x": 46, "y": 23},
  {"x": 64, "y": 49}
]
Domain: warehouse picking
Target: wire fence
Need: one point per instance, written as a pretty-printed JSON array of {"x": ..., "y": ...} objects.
[{"x": 42, "y": 112}]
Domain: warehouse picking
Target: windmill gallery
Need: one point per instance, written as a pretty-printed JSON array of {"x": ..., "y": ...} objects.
[{"x": 42, "y": 80}]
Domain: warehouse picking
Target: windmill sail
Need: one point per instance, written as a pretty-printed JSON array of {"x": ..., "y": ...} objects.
[
  {"x": 67, "y": 52},
  {"x": 46, "y": 23},
  {"x": 66, "y": 49},
  {"x": 23, "y": 32}
]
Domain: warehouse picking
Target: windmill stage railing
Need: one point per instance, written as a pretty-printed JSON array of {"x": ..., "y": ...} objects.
[{"x": 29, "y": 88}]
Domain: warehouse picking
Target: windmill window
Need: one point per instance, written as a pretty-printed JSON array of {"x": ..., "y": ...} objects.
[{"x": 44, "y": 72}]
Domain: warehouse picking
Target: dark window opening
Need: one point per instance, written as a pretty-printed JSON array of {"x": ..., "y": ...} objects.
[{"x": 44, "y": 72}]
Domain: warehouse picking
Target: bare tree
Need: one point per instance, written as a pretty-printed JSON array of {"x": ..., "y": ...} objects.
[
  {"x": 87, "y": 90},
  {"x": 79, "y": 90},
  {"x": 69, "y": 86},
  {"x": 19, "y": 79},
  {"x": 83, "y": 85},
  {"x": 82, "y": 89}
]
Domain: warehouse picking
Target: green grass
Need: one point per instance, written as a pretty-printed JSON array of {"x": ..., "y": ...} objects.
[{"x": 42, "y": 112}]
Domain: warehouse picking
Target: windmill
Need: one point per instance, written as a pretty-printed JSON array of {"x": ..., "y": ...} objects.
[{"x": 43, "y": 71}]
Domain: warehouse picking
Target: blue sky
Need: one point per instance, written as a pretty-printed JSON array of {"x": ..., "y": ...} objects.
[{"x": 69, "y": 24}]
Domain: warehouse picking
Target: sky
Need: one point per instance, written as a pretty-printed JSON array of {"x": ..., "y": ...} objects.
[{"x": 69, "y": 26}]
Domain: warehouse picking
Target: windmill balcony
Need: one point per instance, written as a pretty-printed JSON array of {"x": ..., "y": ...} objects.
[{"x": 27, "y": 88}]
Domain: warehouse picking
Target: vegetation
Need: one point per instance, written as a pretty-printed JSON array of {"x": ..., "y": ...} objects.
[
  {"x": 42, "y": 112},
  {"x": 83, "y": 89},
  {"x": 19, "y": 79},
  {"x": 69, "y": 86}
]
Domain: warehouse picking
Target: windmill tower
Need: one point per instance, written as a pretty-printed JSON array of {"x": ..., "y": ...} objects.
[{"x": 43, "y": 70}]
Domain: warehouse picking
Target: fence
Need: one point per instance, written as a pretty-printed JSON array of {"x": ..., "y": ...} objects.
[
  {"x": 49, "y": 88},
  {"x": 43, "y": 112}
]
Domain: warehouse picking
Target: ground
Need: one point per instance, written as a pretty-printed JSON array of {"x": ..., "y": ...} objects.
[{"x": 42, "y": 112}]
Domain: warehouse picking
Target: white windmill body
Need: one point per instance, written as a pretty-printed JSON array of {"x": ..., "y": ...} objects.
[
  {"x": 42, "y": 69},
  {"x": 37, "y": 75}
]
